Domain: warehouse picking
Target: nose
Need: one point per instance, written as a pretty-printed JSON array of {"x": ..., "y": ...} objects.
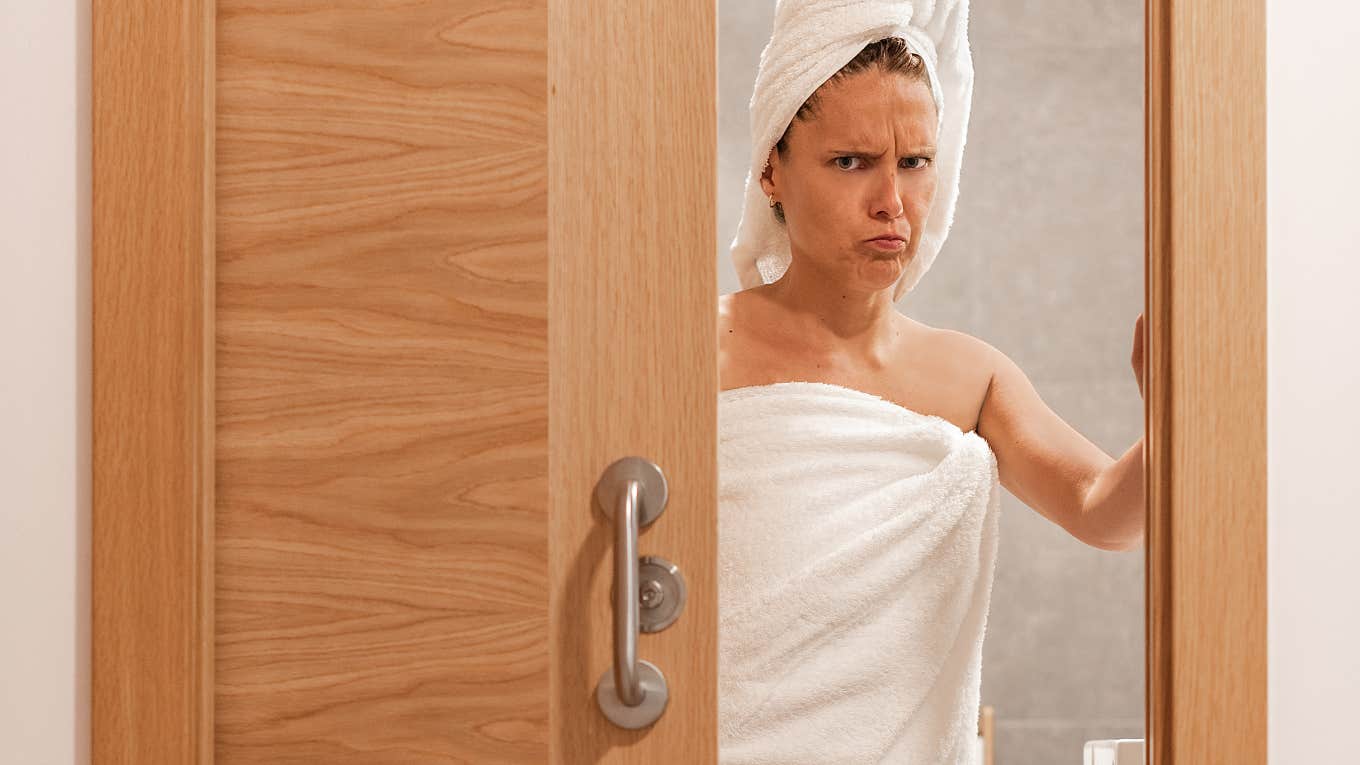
[{"x": 887, "y": 199}]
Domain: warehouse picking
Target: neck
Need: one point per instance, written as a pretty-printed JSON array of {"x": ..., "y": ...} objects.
[{"x": 845, "y": 319}]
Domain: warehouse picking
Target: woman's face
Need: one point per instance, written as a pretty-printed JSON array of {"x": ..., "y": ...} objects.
[{"x": 863, "y": 166}]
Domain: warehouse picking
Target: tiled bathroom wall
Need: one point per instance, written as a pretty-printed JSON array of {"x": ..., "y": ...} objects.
[{"x": 1044, "y": 261}]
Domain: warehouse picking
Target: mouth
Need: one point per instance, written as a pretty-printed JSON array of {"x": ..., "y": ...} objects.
[{"x": 887, "y": 243}]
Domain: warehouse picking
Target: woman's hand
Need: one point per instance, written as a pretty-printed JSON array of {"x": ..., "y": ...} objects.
[{"x": 1137, "y": 359}]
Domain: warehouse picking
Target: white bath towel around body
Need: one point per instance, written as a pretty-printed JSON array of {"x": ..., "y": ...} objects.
[{"x": 857, "y": 545}]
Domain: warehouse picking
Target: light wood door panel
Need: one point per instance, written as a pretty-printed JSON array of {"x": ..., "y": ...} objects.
[
  {"x": 382, "y": 379},
  {"x": 383, "y": 330}
]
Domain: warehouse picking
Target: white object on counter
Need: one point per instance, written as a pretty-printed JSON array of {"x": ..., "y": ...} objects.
[{"x": 1115, "y": 751}]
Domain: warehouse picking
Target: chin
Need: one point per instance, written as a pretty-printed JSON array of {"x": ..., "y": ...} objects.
[{"x": 885, "y": 280}]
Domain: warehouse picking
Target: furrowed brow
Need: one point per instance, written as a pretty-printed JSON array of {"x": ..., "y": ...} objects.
[{"x": 862, "y": 152}]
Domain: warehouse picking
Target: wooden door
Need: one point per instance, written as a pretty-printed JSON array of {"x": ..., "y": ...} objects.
[
  {"x": 395, "y": 285},
  {"x": 380, "y": 289}
]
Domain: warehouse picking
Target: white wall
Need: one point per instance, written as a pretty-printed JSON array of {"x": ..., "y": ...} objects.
[
  {"x": 1313, "y": 93},
  {"x": 1314, "y": 314},
  {"x": 44, "y": 382}
]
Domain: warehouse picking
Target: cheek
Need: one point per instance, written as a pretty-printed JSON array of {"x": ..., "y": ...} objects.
[
  {"x": 822, "y": 213},
  {"x": 919, "y": 207},
  {"x": 920, "y": 199},
  {"x": 932, "y": 186},
  {"x": 840, "y": 220}
]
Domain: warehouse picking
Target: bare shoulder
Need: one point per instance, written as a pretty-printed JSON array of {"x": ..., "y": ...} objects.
[
  {"x": 749, "y": 345},
  {"x": 954, "y": 369},
  {"x": 971, "y": 356},
  {"x": 729, "y": 344},
  {"x": 738, "y": 310},
  {"x": 1009, "y": 396},
  {"x": 726, "y": 309}
]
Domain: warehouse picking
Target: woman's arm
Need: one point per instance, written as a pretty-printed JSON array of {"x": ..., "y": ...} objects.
[
  {"x": 1115, "y": 507},
  {"x": 1056, "y": 470}
]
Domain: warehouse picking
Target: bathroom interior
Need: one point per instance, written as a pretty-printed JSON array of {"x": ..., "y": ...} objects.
[{"x": 1044, "y": 261}]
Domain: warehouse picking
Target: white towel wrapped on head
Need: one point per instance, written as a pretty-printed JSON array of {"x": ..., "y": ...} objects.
[
  {"x": 811, "y": 40},
  {"x": 857, "y": 544}
]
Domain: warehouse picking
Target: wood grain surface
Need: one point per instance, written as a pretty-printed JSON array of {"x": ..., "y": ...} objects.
[
  {"x": 632, "y": 149},
  {"x": 151, "y": 277},
  {"x": 1206, "y": 392},
  {"x": 382, "y": 383}
]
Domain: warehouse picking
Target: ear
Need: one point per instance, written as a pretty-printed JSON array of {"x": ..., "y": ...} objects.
[{"x": 767, "y": 177}]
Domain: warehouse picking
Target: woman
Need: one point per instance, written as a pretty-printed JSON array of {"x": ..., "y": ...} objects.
[{"x": 857, "y": 548}]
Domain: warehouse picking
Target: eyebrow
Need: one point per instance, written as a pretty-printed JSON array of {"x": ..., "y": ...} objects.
[{"x": 867, "y": 153}]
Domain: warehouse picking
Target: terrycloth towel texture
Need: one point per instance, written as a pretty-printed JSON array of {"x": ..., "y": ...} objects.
[
  {"x": 857, "y": 543},
  {"x": 811, "y": 40}
]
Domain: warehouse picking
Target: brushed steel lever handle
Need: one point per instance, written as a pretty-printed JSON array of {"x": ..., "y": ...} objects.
[
  {"x": 633, "y": 693},
  {"x": 627, "y": 683}
]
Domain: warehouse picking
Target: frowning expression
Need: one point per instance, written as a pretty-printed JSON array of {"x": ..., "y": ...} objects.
[{"x": 862, "y": 166}]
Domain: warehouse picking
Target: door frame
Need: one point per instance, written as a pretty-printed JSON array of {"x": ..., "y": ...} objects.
[
  {"x": 153, "y": 282},
  {"x": 152, "y": 248},
  {"x": 1205, "y": 386}
]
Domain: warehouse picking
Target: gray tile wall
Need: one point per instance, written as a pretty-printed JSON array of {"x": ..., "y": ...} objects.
[{"x": 1044, "y": 261}]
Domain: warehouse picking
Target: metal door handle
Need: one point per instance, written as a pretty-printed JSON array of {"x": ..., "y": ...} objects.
[
  {"x": 633, "y": 694},
  {"x": 627, "y": 684}
]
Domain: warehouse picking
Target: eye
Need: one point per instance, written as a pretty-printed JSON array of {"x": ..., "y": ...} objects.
[{"x": 924, "y": 162}]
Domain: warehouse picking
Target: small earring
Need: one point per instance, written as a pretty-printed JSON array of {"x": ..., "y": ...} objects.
[{"x": 769, "y": 196}]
